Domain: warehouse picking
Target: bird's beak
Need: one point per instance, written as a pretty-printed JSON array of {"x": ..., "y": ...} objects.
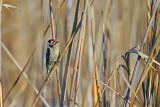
[{"x": 57, "y": 42}]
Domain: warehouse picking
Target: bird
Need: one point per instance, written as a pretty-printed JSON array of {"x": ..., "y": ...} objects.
[{"x": 52, "y": 55}]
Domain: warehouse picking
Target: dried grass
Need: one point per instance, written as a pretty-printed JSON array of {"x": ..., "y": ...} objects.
[{"x": 92, "y": 71}]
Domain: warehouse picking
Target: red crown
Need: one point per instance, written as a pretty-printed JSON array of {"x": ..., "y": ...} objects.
[{"x": 52, "y": 40}]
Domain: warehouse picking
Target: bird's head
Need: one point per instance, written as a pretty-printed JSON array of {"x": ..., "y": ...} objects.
[{"x": 52, "y": 42}]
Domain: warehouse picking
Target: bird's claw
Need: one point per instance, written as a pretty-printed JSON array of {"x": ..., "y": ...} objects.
[{"x": 57, "y": 62}]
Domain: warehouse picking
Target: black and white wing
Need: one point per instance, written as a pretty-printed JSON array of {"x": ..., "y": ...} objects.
[{"x": 47, "y": 56}]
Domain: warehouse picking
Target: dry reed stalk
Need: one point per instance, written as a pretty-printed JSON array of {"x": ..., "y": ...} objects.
[
  {"x": 103, "y": 90},
  {"x": 68, "y": 56},
  {"x": 126, "y": 58},
  {"x": 156, "y": 82},
  {"x": 148, "y": 92},
  {"x": 1, "y": 88},
  {"x": 145, "y": 91},
  {"x": 67, "y": 32},
  {"x": 51, "y": 18},
  {"x": 1, "y": 92},
  {"x": 78, "y": 53},
  {"x": 55, "y": 67},
  {"x": 143, "y": 43},
  {"x": 43, "y": 50},
  {"x": 104, "y": 55},
  {"x": 87, "y": 91},
  {"x": 24, "y": 74},
  {"x": 155, "y": 79},
  {"x": 114, "y": 91},
  {"x": 126, "y": 81},
  {"x": 144, "y": 57},
  {"x": 105, "y": 19},
  {"x": 99, "y": 102},
  {"x": 94, "y": 87},
  {"x": 148, "y": 10},
  {"x": 106, "y": 45},
  {"x": 91, "y": 2},
  {"x": 65, "y": 39},
  {"x": 20, "y": 91},
  {"x": 77, "y": 83},
  {"x": 145, "y": 38},
  {"x": 59, "y": 87},
  {"x": 151, "y": 63},
  {"x": 152, "y": 41},
  {"x": 53, "y": 36},
  {"x": 59, "y": 8},
  {"x": 103, "y": 60},
  {"x": 101, "y": 63},
  {"x": 30, "y": 58},
  {"x": 85, "y": 95},
  {"x": 94, "y": 92},
  {"x": 145, "y": 71},
  {"x": 91, "y": 56}
]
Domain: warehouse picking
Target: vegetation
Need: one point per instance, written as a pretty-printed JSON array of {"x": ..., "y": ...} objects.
[{"x": 110, "y": 53}]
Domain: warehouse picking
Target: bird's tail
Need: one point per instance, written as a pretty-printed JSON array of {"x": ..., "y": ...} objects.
[{"x": 48, "y": 72}]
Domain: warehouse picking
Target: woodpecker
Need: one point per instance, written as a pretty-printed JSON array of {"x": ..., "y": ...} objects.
[{"x": 52, "y": 55}]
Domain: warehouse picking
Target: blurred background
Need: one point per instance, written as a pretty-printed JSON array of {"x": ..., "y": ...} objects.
[{"x": 122, "y": 23}]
